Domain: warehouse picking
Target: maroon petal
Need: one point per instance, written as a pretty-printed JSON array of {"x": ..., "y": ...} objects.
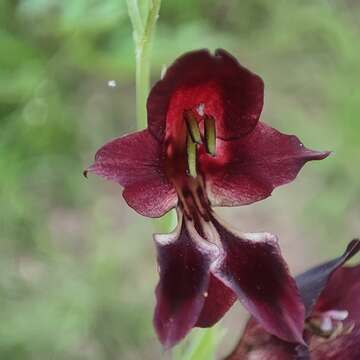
[
  {"x": 229, "y": 92},
  {"x": 184, "y": 260},
  {"x": 312, "y": 282},
  {"x": 342, "y": 292},
  {"x": 135, "y": 161},
  {"x": 274, "y": 350},
  {"x": 256, "y": 343},
  {"x": 248, "y": 169},
  {"x": 344, "y": 347},
  {"x": 253, "y": 268},
  {"x": 219, "y": 299}
]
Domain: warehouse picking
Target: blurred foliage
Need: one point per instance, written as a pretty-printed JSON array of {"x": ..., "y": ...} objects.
[
  {"x": 76, "y": 277},
  {"x": 202, "y": 345}
]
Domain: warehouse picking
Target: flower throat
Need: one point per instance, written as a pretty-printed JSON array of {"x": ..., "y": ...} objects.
[{"x": 192, "y": 133}]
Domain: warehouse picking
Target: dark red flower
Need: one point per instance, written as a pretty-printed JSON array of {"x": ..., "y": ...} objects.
[
  {"x": 204, "y": 147},
  {"x": 331, "y": 295}
]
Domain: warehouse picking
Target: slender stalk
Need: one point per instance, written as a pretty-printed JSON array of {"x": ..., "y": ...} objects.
[
  {"x": 143, "y": 32},
  {"x": 135, "y": 17},
  {"x": 143, "y": 35}
]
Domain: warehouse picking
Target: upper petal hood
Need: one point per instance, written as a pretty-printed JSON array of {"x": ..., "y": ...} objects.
[
  {"x": 135, "y": 161},
  {"x": 230, "y": 93}
]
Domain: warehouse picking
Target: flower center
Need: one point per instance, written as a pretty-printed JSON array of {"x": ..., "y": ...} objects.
[{"x": 193, "y": 132}]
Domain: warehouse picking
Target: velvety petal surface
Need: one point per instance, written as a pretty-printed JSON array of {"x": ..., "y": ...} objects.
[
  {"x": 344, "y": 347},
  {"x": 184, "y": 261},
  {"x": 341, "y": 291},
  {"x": 253, "y": 268},
  {"x": 257, "y": 344},
  {"x": 135, "y": 161},
  {"x": 312, "y": 282},
  {"x": 219, "y": 299},
  {"x": 227, "y": 91},
  {"x": 248, "y": 169}
]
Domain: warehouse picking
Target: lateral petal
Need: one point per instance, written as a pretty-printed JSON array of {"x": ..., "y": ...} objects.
[
  {"x": 249, "y": 169},
  {"x": 135, "y": 161}
]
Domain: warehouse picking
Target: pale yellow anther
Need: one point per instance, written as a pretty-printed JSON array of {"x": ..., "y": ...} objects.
[
  {"x": 193, "y": 127},
  {"x": 191, "y": 155},
  {"x": 210, "y": 135}
]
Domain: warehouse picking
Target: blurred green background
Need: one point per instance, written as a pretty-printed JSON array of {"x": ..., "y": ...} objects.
[{"x": 77, "y": 266}]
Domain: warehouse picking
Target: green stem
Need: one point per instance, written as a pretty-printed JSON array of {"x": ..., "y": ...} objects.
[
  {"x": 143, "y": 35},
  {"x": 135, "y": 17},
  {"x": 142, "y": 85}
]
